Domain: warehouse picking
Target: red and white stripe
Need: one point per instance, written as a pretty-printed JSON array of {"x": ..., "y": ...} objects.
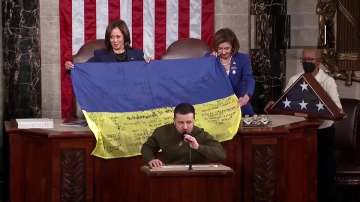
[
  {"x": 153, "y": 24},
  {"x": 162, "y": 21}
]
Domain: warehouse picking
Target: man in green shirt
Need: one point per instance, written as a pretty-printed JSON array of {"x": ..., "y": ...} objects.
[{"x": 177, "y": 139}]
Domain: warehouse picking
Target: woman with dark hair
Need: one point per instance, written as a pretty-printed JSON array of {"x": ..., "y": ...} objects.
[
  {"x": 117, "y": 46},
  {"x": 225, "y": 47}
]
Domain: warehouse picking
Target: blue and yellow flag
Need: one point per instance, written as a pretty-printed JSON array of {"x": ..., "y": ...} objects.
[{"x": 124, "y": 102}]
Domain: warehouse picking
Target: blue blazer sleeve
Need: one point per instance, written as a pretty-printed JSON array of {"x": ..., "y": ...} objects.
[
  {"x": 241, "y": 75},
  {"x": 241, "y": 78},
  {"x": 248, "y": 76},
  {"x": 243, "y": 82}
]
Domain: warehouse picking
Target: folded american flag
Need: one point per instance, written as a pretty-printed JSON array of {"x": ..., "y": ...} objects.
[{"x": 306, "y": 98}]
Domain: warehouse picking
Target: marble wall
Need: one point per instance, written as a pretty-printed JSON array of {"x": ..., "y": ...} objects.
[
  {"x": 304, "y": 23},
  {"x": 50, "y": 58},
  {"x": 2, "y": 155},
  {"x": 304, "y": 32},
  {"x": 1, "y": 77},
  {"x": 21, "y": 61},
  {"x": 234, "y": 14}
]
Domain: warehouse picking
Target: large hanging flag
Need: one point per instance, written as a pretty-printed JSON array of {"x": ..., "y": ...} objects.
[
  {"x": 305, "y": 97},
  {"x": 124, "y": 102},
  {"x": 153, "y": 24}
]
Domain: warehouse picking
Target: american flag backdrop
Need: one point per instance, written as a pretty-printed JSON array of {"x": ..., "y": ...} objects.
[
  {"x": 153, "y": 24},
  {"x": 307, "y": 98}
]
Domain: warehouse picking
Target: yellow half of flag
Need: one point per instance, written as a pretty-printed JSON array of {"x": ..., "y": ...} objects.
[{"x": 122, "y": 134}]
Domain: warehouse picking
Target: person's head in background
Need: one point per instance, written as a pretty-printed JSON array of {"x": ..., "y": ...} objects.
[
  {"x": 117, "y": 36},
  {"x": 225, "y": 43},
  {"x": 184, "y": 115},
  {"x": 311, "y": 61}
]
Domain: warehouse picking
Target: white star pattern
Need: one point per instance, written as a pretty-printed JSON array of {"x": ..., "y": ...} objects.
[
  {"x": 302, "y": 97},
  {"x": 304, "y": 86},
  {"x": 320, "y": 106},
  {"x": 303, "y": 104},
  {"x": 286, "y": 103}
]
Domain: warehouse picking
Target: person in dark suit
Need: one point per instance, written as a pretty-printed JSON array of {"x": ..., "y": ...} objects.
[
  {"x": 117, "y": 46},
  {"x": 174, "y": 140},
  {"x": 237, "y": 66}
]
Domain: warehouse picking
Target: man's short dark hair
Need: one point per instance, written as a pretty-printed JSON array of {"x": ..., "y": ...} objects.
[{"x": 184, "y": 108}]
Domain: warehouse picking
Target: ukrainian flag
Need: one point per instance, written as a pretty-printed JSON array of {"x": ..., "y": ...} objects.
[{"x": 124, "y": 102}]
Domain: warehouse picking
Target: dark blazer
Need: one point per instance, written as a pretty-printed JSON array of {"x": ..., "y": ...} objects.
[
  {"x": 170, "y": 141},
  {"x": 103, "y": 55}
]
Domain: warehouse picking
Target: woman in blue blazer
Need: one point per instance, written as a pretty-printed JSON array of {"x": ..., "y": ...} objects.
[
  {"x": 237, "y": 66},
  {"x": 117, "y": 46}
]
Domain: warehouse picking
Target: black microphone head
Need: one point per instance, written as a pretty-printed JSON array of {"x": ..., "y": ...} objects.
[{"x": 183, "y": 134}]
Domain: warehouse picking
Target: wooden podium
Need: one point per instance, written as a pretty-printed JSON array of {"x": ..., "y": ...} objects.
[
  {"x": 210, "y": 183},
  {"x": 275, "y": 163}
]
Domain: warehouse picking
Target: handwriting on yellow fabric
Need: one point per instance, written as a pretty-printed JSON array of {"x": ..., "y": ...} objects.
[{"x": 122, "y": 134}]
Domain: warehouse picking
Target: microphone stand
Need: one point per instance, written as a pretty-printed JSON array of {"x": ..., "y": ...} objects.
[{"x": 190, "y": 162}]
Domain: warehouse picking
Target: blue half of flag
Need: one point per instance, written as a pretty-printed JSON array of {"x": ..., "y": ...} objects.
[{"x": 139, "y": 86}]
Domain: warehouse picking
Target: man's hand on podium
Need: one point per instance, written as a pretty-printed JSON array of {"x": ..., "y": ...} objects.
[{"x": 155, "y": 163}]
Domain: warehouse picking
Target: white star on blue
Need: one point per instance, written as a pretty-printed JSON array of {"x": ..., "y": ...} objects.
[
  {"x": 320, "y": 106},
  {"x": 304, "y": 86},
  {"x": 303, "y": 104},
  {"x": 286, "y": 103}
]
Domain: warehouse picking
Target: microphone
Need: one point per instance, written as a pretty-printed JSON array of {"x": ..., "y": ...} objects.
[
  {"x": 190, "y": 161},
  {"x": 183, "y": 136},
  {"x": 182, "y": 139}
]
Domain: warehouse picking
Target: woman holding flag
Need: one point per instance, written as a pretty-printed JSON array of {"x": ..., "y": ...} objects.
[
  {"x": 225, "y": 47},
  {"x": 117, "y": 46}
]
